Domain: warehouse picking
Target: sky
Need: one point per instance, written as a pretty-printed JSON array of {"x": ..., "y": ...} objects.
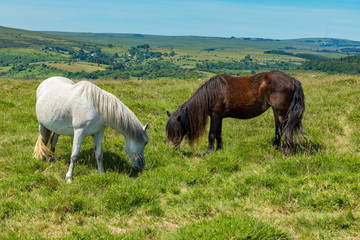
[{"x": 275, "y": 19}]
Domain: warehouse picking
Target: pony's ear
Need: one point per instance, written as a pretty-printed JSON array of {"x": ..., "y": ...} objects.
[
  {"x": 168, "y": 113},
  {"x": 145, "y": 127}
]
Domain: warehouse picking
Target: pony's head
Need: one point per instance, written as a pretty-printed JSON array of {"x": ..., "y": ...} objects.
[
  {"x": 134, "y": 148},
  {"x": 175, "y": 129}
]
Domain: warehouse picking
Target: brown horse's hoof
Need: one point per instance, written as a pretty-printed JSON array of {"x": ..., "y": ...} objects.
[
  {"x": 287, "y": 151},
  {"x": 207, "y": 152}
]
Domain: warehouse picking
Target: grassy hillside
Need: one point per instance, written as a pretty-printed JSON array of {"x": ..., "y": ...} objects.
[
  {"x": 21, "y": 50},
  {"x": 247, "y": 190},
  {"x": 18, "y": 38},
  {"x": 201, "y": 43}
]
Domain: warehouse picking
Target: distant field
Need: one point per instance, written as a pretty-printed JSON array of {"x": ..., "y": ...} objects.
[
  {"x": 246, "y": 190},
  {"x": 78, "y": 66},
  {"x": 226, "y": 55},
  {"x": 200, "y": 43}
]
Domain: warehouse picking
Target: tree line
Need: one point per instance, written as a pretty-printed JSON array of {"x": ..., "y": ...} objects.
[{"x": 347, "y": 65}]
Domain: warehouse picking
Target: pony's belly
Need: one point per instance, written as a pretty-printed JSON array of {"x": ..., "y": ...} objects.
[
  {"x": 59, "y": 127},
  {"x": 244, "y": 115},
  {"x": 247, "y": 112},
  {"x": 67, "y": 126}
]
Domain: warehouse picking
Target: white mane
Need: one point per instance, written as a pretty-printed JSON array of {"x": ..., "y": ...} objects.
[{"x": 115, "y": 114}]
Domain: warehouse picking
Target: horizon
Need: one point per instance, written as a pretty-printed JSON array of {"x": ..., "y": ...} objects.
[
  {"x": 279, "y": 20},
  {"x": 159, "y": 35},
  {"x": 200, "y": 36}
]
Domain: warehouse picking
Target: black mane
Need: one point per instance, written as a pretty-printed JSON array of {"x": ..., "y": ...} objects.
[{"x": 194, "y": 112}]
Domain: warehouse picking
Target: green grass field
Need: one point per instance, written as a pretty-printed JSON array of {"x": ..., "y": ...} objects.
[
  {"x": 247, "y": 190},
  {"x": 77, "y": 66}
]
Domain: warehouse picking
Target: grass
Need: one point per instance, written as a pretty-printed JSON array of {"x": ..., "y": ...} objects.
[
  {"x": 248, "y": 190},
  {"x": 77, "y": 66}
]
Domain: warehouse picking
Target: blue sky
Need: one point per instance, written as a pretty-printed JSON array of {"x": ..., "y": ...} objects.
[{"x": 277, "y": 19}]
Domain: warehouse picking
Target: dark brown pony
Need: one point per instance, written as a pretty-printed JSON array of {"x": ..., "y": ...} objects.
[{"x": 239, "y": 97}]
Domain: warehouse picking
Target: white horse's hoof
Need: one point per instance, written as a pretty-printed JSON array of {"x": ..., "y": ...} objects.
[{"x": 68, "y": 179}]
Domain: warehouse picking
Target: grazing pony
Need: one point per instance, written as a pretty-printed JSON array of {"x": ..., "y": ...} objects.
[
  {"x": 239, "y": 97},
  {"x": 80, "y": 110}
]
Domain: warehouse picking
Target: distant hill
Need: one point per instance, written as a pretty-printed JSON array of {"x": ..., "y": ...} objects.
[
  {"x": 18, "y": 38},
  {"x": 217, "y": 43}
]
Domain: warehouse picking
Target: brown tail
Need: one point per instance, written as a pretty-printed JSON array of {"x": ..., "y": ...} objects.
[
  {"x": 296, "y": 112},
  {"x": 40, "y": 150}
]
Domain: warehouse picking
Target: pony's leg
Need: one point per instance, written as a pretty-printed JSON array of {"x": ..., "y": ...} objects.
[
  {"x": 282, "y": 128},
  {"x": 278, "y": 130},
  {"x": 219, "y": 136},
  {"x": 78, "y": 138},
  {"x": 280, "y": 122},
  {"x": 54, "y": 139},
  {"x": 215, "y": 122},
  {"x": 97, "y": 138}
]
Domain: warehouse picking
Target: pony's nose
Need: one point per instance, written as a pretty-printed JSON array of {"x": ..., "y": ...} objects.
[
  {"x": 139, "y": 164},
  {"x": 139, "y": 167},
  {"x": 175, "y": 145}
]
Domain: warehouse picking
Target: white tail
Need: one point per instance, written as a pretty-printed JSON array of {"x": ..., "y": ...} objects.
[{"x": 40, "y": 150}]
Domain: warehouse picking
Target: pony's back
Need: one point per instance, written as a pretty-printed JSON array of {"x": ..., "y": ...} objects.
[{"x": 56, "y": 83}]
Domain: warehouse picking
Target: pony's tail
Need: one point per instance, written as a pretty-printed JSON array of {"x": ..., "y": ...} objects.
[
  {"x": 40, "y": 150},
  {"x": 295, "y": 113}
]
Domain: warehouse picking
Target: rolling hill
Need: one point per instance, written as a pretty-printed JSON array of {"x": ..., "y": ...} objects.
[
  {"x": 18, "y": 38},
  {"x": 217, "y": 43}
]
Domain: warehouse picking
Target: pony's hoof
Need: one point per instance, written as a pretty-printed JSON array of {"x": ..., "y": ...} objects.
[
  {"x": 287, "y": 152},
  {"x": 207, "y": 153},
  {"x": 68, "y": 180}
]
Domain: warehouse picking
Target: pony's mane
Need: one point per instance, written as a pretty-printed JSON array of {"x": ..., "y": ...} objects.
[
  {"x": 196, "y": 110},
  {"x": 114, "y": 112}
]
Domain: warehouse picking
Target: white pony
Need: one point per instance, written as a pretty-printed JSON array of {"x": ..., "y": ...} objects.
[{"x": 80, "y": 110}]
